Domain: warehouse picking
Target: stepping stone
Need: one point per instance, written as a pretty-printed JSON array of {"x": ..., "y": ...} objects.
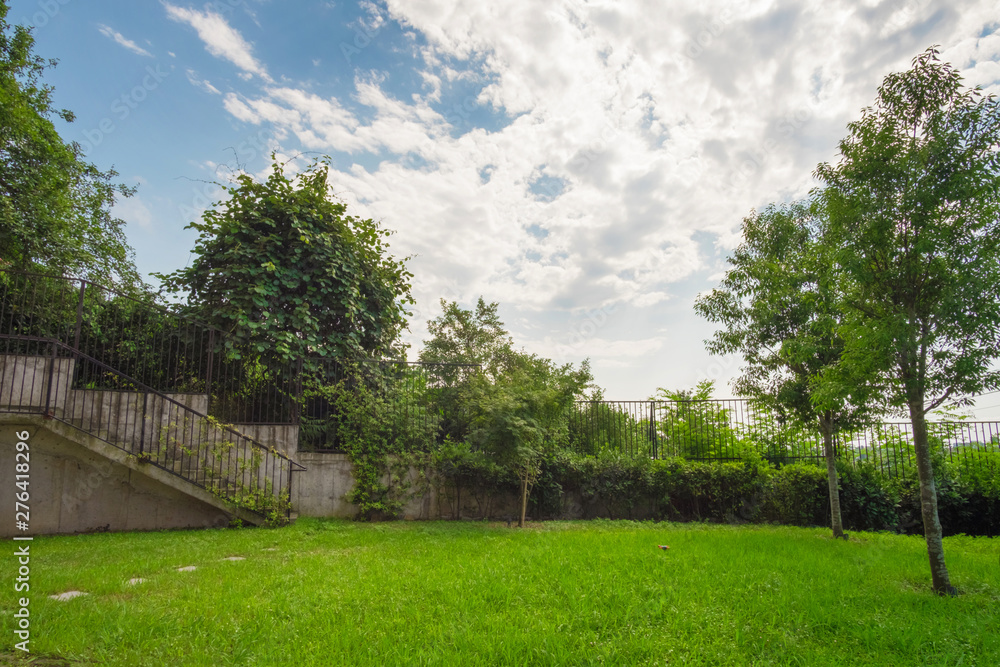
[
  {"x": 68, "y": 595},
  {"x": 135, "y": 580},
  {"x": 189, "y": 568},
  {"x": 234, "y": 558}
]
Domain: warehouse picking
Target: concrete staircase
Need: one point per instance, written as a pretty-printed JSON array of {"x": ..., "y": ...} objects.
[{"x": 165, "y": 434}]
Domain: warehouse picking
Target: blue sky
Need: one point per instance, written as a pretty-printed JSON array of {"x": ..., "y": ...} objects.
[{"x": 585, "y": 164}]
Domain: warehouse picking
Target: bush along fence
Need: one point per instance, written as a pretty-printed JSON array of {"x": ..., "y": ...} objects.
[
  {"x": 727, "y": 430},
  {"x": 575, "y": 486}
]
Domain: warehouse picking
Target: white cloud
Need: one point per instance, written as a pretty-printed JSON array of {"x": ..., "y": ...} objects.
[
  {"x": 123, "y": 41},
  {"x": 134, "y": 211},
  {"x": 203, "y": 84},
  {"x": 220, "y": 38},
  {"x": 663, "y": 123}
]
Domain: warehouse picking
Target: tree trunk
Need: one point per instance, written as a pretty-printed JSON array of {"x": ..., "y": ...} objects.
[
  {"x": 928, "y": 501},
  {"x": 524, "y": 498},
  {"x": 836, "y": 520}
]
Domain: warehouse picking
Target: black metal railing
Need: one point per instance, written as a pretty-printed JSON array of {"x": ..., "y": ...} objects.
[
  {"x": 160, "y": 348},
  {"x": 728, "y": 429},
  {"x": 241, "y": 384},
  {"x": 170, "y": 431},
  {"x": 409, "y": 403}
]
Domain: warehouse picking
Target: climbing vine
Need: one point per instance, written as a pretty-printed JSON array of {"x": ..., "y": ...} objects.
[{"x": 386, "y": 434}]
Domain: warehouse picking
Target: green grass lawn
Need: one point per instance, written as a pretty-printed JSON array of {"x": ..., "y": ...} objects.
[{"x": 576, "y": 593}]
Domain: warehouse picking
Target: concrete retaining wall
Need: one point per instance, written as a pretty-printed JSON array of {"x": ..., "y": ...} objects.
[{"x": 73, "y": 489}]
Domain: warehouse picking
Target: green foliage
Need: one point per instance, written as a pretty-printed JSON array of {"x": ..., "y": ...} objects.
[
  {"x": 748, "y": 491},
  {"x": 55, "y": 208},
  {"x": 516, "y": 410},
  {"x": 869, "y": 499},
  {"x": 968, "y": 498},
  {"x": 382, "y": 436},
  {"x": 461, "y": 469},
  {"x": 467, "y": 338},
  {"x": 914, "y": 210},
  {"x": 693, "y": 426},
  {"x": 617, "y": 483},
  {"x": 284, "y": 268},
  {"x": 599, "y": 428},
  {"x": 798, "y": 496}
]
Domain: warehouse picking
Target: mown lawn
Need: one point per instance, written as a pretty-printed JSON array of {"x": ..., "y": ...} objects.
[{"x": 574, "y": 593}]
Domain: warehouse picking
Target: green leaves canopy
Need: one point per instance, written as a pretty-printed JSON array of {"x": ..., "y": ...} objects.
[
  {"x": 55, "y": 209},
  {"x": 778, "y": 306},
  {"x": 914, "y": 207},
  {"x": 282, "y": 266}
]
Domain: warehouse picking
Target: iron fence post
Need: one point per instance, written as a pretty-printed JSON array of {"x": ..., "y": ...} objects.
[
  {"x": 48, "y": 388},
  {"x": 208, "y": 374},
  {"x": 79, "y": 315},
  {"x": 142, "y": 428}
]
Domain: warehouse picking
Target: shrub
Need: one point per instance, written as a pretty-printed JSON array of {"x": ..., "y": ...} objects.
[
  {"x": 868, "y": 500},
  {"x": 798, "y": 496}
]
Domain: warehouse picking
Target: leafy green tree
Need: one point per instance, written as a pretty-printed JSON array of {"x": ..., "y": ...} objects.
[
  {"x": 468, "y": 337},
  {"x": 914, "y": 206},
  {"x": 779, "y": 308},
  {"x": 524, "y": 414},
  {"x": 55, "y": 208},
  {"x": 517, "y": 408},
  {"x": 464, "y": 345},
  {"x": 692, "y": 425},
  {"x": 283, "y": 267}
]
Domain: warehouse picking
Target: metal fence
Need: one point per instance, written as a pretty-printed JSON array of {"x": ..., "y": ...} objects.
[
  {"x": 168, "y": 431},
  {"x": 154, "y": 346},
  {"x": 145, "y": 344},
  {"x": 396, "y": 401},
  {"x": 728, "y": 429}
]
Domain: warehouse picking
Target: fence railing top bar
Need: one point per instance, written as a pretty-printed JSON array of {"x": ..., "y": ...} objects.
[{"x": 145, "y": 388}]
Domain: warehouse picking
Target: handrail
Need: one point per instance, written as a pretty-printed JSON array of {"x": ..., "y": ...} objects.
[{"x": 273, "y": 463}]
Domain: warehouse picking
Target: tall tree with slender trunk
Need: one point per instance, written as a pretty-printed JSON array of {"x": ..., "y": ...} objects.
[
  {"x": 914, "y": 209},
  {"x": 779, "y": 308}
]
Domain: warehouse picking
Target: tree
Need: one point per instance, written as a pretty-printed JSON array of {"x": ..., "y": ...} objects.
[
  {"x": 468, "y": 337},
  {"x": 914, "y": 206},
  {"x": 524, "y": 414},
  {"x": 283, "y": 267},
  {"x": 464, "y": 344},
  {"x": 55, "y": 208},
  {"x": 517, "y": 408},
  {"x": 779, "y": 309},
  {"x": 692, "y": 425}
]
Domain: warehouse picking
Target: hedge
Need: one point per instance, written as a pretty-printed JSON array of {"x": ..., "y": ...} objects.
[{"x": 748, "y": 491}]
